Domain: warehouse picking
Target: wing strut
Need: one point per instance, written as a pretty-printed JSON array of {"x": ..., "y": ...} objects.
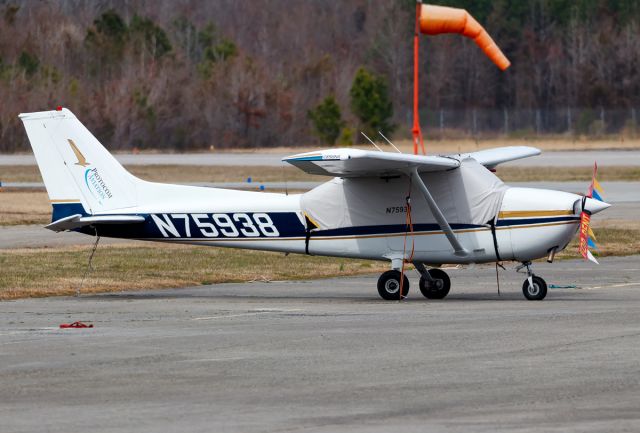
[{"x": 437, "y": 213}]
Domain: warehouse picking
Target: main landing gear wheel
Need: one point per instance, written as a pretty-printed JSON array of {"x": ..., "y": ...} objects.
[
  {"x": 535, "y": 292},
  {"x": 438, "y": 288},
  {"x": 389, "y": 286}
]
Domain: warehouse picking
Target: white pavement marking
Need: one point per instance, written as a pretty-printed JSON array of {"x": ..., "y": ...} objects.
[
  {"x": 611, "y": 286},
  {"x": 237, "y": 358},
  {"x": 252, "y": 313}
]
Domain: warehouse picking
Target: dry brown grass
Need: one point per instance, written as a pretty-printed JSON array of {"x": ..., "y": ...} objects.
[
  {"x": 544, "y": 143},
  {"x": 173, "y": 173},
  {"x": 566, "y": 174},
  {"x": 20, "y": 173},
  {"x": 177, "y": 173},
  {"x": 47, "y": 272},
  {"x": 623, "y": 240},
  {"x": 59, "y": 271},
  {"x": 24, "y": 207},
  {"x": 182, "y": 173},
  {"x": 597, "y": 224},
  {"x": 451, "y": 145}
]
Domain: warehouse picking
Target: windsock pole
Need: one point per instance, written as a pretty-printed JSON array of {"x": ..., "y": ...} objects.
[
  {"x": 416, "y": 131},
  {"x": 436, "y": 20}
]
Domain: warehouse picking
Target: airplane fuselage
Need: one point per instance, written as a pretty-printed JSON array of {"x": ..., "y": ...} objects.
[{"x": 530, "y": 223}]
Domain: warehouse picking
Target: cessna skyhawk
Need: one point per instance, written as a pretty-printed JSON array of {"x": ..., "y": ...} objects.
[{"x": 426, "y": 210}]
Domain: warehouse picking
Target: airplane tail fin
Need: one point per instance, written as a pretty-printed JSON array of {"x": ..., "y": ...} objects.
[{"x": 80, "y": 175}]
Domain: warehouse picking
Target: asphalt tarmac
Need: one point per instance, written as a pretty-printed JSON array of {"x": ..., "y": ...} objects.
[{"x": 329, "y": 355}]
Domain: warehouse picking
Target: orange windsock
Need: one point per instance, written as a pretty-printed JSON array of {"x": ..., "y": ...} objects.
[{"x": 435, "y": 20}]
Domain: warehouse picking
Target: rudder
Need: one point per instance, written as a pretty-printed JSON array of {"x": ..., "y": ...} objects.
[{"x": 75, "y": 167}]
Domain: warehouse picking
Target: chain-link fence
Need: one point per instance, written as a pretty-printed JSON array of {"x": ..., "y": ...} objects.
[{"x": 591, "y": 122}]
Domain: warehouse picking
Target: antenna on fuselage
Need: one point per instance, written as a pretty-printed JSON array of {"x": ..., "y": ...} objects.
[
  {"x": 389, "y": 141},
  {"x": 371, "y": 141}
]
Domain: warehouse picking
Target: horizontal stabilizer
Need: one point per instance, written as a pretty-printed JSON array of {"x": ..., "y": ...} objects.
[
  {"x": 362, "y": 163},
  {"x": 77, "y": 221}
]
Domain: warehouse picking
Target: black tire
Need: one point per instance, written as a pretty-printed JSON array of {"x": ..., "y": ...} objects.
[
  {"x": 389, "y": 286},
  {"x": 438, "y": 291},
  {"x": 539, "y": 290}
]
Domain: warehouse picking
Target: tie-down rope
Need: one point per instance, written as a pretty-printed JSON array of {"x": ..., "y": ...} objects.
[{"x": 408, "y": 228}]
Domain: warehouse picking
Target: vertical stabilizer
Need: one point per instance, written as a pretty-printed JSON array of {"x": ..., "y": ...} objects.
[{"x": 75, "y": 167}]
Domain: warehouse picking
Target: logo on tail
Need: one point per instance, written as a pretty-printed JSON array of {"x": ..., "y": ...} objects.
[
  {"x": 82, "y": 161},
  {"x": 95, "y": 183}
]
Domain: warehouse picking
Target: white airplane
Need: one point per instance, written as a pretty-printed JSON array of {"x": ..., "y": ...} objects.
[{"x": 426, "y": 210}]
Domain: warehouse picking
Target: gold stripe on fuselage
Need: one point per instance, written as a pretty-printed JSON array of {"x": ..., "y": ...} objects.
[
  {"x": 533, "y": 213},
  {"x": 66, "y": 200}
]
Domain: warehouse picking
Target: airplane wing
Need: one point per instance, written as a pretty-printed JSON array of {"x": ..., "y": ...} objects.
[
  {"x": 361, "y": 163},
  {"x": 490, "y": 158},
  {"x": 77, "y": 221}
]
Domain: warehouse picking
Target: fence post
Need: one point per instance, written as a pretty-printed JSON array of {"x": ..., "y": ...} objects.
[
  {"x": 538, "y": 121},
  {"x": 506, "y": 122},
  {"x": 441, "y": 122},
  {"x": 569, "y": 122},
  {"x": 475, "y": 123}
]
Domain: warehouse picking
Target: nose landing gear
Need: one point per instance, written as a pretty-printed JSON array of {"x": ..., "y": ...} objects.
[{"x": 534, "y": 288}]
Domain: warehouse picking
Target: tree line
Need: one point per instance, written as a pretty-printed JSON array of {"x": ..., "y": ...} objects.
[{"x": 189, "y": 74}]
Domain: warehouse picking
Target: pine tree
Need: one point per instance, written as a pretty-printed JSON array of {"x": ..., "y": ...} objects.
[
  {"x": 327, "y": 120},
  {"x": 371, "y": 103}
]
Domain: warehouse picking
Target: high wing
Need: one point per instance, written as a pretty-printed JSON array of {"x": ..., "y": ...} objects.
[
  {"x": 362, "y": 163},
  {"x": 490, "y": 158}
]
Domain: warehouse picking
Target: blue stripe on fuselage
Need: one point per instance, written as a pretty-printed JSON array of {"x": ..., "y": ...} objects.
[
  {"x": 527, "y": 221},
  {"x": 287, "y": 223}
]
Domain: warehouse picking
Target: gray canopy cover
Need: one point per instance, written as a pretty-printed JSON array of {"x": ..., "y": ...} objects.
[{"x": 470, "y": 194}]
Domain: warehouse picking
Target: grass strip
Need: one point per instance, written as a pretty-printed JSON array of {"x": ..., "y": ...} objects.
[
  {"x": 567, "y": 174},
  {"x": 258, "y": 174},
  {"x": 184, "y": 173},
  {"x": 611, "y": 242},
  {"x": 46, "y": 271}
]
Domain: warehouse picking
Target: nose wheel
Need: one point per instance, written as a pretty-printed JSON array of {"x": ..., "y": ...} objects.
[{"x": 534, "y": 288}]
